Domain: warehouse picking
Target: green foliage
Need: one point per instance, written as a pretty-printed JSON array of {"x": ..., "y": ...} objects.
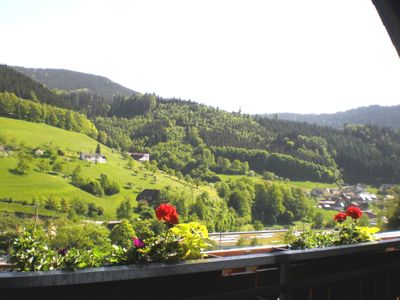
[
  {"x": 146, "y": 229},
  {"x": 109, "y": 187},
  {"x": 122, "y": 234},
  {"x": 24, "y": 163},
  {"x": 13, "y": 107},
  {"x": 283, "y": 165},
  {"x": 82, "y": 236},
  {"x": 290, "y": 236},
  {"x": 313, "y": 239},
  {"x": 318, "y": 220},
  {"x": 31, "y": 253},
  {"x": 125, "y": 209},
  {"x": 193, "y": 237},
  {"x": 255, "y": 242},
  {"x": 79, "y": 206},
  {"x": 181, "y": 242},
  {"x": 258, "y": 225},
  {"x": 98, "y": 150},
  {"x": 213, "y": 213},
  {"x": 393, "y": 209},
  {"x": 145, "y": 211},
  {"x": 95, "y": 187},
  {"x": 241, "y": 242},
  {"x": 345, "y": 233},
  {"x": 277, "y": 203},
  {"x": 82, "y": 258},
  {"x": 269, "y": 175},
  {"x": 43, "y": 166}
]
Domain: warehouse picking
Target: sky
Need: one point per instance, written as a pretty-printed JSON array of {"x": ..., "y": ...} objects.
[{"x": 259, "y": 56}]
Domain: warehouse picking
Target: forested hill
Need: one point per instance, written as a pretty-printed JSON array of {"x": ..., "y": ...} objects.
[
  {"x": 77, "y": 81},
  {"x": 200, "y": 142},
  {"x": 384, "y": 116}
]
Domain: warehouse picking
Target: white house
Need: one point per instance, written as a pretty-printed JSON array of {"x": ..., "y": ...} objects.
[
  {"x": 140, "y": 156},
  {"x": 39, "y": 152},
  {"x": 94, "y": 157}
]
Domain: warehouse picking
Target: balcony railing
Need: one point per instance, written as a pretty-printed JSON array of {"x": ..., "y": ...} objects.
[{"x": 358, "y": 271}]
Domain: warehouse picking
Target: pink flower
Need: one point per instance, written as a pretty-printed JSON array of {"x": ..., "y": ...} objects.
[{"x": 137, "y": 243}]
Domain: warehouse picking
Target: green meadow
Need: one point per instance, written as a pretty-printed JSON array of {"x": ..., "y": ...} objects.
[{"x": 36, "y": 184}]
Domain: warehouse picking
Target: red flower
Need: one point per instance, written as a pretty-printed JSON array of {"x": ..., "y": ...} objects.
[
  {"x": 354, "y": 212},
  {"x": 340, "y": 217},
  {"x": 166, "y": 212}
]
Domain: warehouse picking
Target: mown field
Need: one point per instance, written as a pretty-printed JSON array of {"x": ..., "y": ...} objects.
[{"x": 36, "y": 184}]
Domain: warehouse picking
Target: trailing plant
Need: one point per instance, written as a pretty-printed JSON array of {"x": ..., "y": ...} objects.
[{"x": 31, "y": 252}]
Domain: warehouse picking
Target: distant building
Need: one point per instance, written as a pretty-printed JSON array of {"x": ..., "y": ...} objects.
[
  {"x": 360, "y": 188},
  {"x": 148, "y": 196},
  {"x": 317, "y": 192},
  {"x": 140, "y": 156},
  {"x": 94, "y": 157},
  {"x": 2, "y": 149},
  {"x": 367, "y": 197},
  {"x": 39, "y": 152},
  {"x": 385, "y": 188}
]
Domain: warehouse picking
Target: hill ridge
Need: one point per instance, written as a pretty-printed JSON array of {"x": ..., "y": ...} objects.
[
  {"x": 383, "y": 116},
  {"x": 69, "y": 80}
]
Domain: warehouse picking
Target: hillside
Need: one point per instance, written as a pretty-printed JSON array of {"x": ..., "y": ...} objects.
[
  {"x": 383, "y": 116},
  {"x": 76, "y": 81},
  {"x": 24, "y": 188},
  {"x": 199, "y": 142}
]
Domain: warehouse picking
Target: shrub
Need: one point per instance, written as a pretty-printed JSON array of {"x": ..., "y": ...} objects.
[
  {"x": 82, "y": 236},
  {"x": 241, "y": 242},
  {"x": 122, "y": 234}
]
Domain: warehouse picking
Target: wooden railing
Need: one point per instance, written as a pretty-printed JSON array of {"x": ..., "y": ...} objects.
[{"x": 359, "y": 271}]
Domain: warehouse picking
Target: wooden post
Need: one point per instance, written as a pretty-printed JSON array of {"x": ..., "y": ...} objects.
[{"x": 284, "y": 281}]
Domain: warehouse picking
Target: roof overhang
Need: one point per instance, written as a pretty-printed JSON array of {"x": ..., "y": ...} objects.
[{"x": 389, "y": 11}]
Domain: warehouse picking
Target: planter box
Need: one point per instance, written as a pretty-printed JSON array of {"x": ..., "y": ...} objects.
[{"x": 346, "y": 272}]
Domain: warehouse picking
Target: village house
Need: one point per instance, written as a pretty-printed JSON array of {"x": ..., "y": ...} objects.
[
  {"x": 360, "y": 188},
  {"x": 140, "y": 156},
  {"x": 384, "y": 188},
  {"x": 317, "y": 192},
  {"x": 93, "y": 157},
  {"x": 338, "y": 199},
  {"x": 148, "y": 196}
]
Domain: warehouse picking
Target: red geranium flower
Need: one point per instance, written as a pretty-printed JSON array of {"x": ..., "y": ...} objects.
[
  {"x": 354, "y": 212},
  {"x": 166, "y": 212},
  {"x": 340, "y": 217}
]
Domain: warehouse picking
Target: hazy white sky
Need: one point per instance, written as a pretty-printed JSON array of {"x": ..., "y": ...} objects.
[{"x": 265, "y": 56}]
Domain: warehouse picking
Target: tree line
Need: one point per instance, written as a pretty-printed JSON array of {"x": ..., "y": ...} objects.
[{"x": 14, "y": 107}]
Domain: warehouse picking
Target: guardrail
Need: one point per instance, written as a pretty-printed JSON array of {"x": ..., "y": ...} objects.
[{"x": 358, "y": 271}]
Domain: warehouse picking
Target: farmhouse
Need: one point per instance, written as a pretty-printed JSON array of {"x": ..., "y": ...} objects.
[
  {"x": 94, "y": 157},
  {"x": 39, "y": 152},
  {"x": 140, "y": 156},
  {"x": 148, "y": 196}
]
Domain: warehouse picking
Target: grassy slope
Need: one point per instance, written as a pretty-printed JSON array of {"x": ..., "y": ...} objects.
[{"x": 43, "y": 185}]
